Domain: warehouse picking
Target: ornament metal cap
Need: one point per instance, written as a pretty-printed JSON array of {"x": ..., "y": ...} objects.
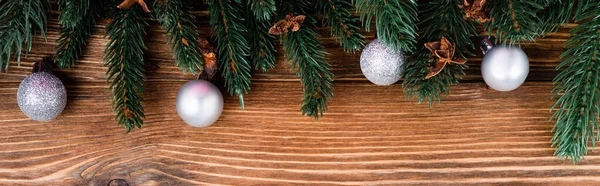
[
  {"x": 487, "y": 43},
  {"x": 43, "y": 66}
]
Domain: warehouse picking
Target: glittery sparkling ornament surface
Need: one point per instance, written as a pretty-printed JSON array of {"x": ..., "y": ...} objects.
[
  {"x": 381, "y": 64},
  {"x": 504, "y": 68},
  {"x": 199, "y": 103},
  {"x": 42, "y": 96}
]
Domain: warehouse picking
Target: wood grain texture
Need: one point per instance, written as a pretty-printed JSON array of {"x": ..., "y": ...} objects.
[{"x": 370, "y": 136}]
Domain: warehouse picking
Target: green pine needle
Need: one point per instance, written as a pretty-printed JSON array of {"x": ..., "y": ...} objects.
[
  {"x": 306, "y": 53},
  {"x": 227, "y": 21},
  {"x": 76, "y": 19},
  {"x": 262, "y": 44},
  {"x": 515, "y": 21},
  {"x": 395, "y": 21},
  {"x": 344, "y": 26},
  {"x": 183, "y": 34},
  {"x": 20, "y": 19},
  {"x": 556, "y": 14},
  {"x": 578, "y": 86},
  {"x": 441, "y": 18},
  {"x": 125, "y": 61}
]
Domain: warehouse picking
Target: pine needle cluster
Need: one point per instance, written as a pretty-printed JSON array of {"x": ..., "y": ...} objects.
[
  {"x": 259, "y": 17},
  {"x": 395, "y": 21},
  {"x": 124, "y": 57},
  {"x": 76, "y": 20},
  {"x": 440, "y": 19},
  {"x": 343, "y": 24},
  {"x": 306, "y": 53},
  {"x": 515, "y": 21},
  {"x": 183, "y": 35},
  {"x": 578, "y": 85},
  {"x": 21, "y": 20},
  {"x": 227, "y": 21}
]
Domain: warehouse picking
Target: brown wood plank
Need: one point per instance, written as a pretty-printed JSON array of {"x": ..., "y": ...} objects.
[
  {"x": 371, "y": 135},
  {"x": 543, "y": 55}
]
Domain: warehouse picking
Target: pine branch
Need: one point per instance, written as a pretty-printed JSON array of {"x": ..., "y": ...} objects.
[
  {"x": 395, "y": 21},
  {"x": 76, "y": 19},
  {"x": 441, "y": 19},
  {"x": 232, "y": 46},
  {"x": 336, "y": 14},
  {"x": 262, "y": 46},
  {"x": 577, "y": 110},
  {"x": 515, "y": 21},
  {"x": 183, "y": 34},
  {"x": 306, "y": 53},
  {"x": 556, "y": 14},
  {"x": 20, "y": 22},
  {"x": 125, "y": 61}
]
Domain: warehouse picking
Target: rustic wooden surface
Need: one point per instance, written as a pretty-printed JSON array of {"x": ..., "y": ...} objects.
[{"x": 371, "y": 135}]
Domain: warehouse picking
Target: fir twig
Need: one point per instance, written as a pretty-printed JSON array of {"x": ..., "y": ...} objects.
[
  {"x": 514, "y": 21},
  {"x": 232, "y": 46},
  {"x": 395, "y": 21},
  {"x": 441, "y": 19},
  {"x": 262, "y": 47},
  {"x": 306, "y": 53},
  {"x": 20, "y": 22},
  {"x": 556, "y": 14},
  {"x": 125, "y": 61},
  {"x": 578, "y": 85},
  {"x": 76, "y": 19},
  {"x": 336, "y": 14},
  {"x": 182, "y": 34}
]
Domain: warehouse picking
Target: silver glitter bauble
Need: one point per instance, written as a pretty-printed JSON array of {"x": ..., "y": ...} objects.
[
  {"x": 42, "y": 96},
  {"x": 504, "y": 68},
  {"x": 381, "y": 64},
  {"x": 199, "y": 103}
]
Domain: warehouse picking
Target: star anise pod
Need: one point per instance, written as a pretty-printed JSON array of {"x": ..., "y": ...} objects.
[
  {"x": 289, "y": 23},
  {"x": 474, "y": 10},
  {"x": 210, "y": 60},
  {"x": 443, "y": 50},
  {"x": 126, "y": 4}
]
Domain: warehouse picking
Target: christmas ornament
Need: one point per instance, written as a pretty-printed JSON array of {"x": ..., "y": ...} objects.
[
  {"x": 444, "y": 52},
  {"x": 199, "y": 103},
  {"x": 381, "y": 64},
  {"x": 503, "y": 68},
  {"x": 41, "y": 95}
]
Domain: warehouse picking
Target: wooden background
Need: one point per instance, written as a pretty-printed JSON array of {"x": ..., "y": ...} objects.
[{"x": 371, "y": 135}]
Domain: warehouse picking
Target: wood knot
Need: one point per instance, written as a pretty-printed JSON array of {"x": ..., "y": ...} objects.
[{"x": 118, "y": 182}]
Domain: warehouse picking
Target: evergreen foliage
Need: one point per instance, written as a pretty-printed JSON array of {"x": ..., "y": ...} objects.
[
  {"x": 344, "y": 26},
  {"x": 262, "y": 44},
  {"x": 395, "y": 21},
  {"x": 439, "y": 19},
  {"x": 124, "y": 57},
  {"x": 76, "y": 20},
  {"x": 578, "y": 86},
  {"x": 183, "y": 35},
  {"x": 306, "y": 53},
  {"x": 227, "y": 21},
  {"x": 515, "y": 21},
  {"x": 20, "y": 21}
]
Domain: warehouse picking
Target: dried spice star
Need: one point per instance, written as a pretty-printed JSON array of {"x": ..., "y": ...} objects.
[
  {"x": 443, "y": 50},
  {"x": 210, "y": 60},
  {"x": 126, "y": 4},
  {"x": 474, "y": 10},
  {"x": 289, "y": 23}
]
